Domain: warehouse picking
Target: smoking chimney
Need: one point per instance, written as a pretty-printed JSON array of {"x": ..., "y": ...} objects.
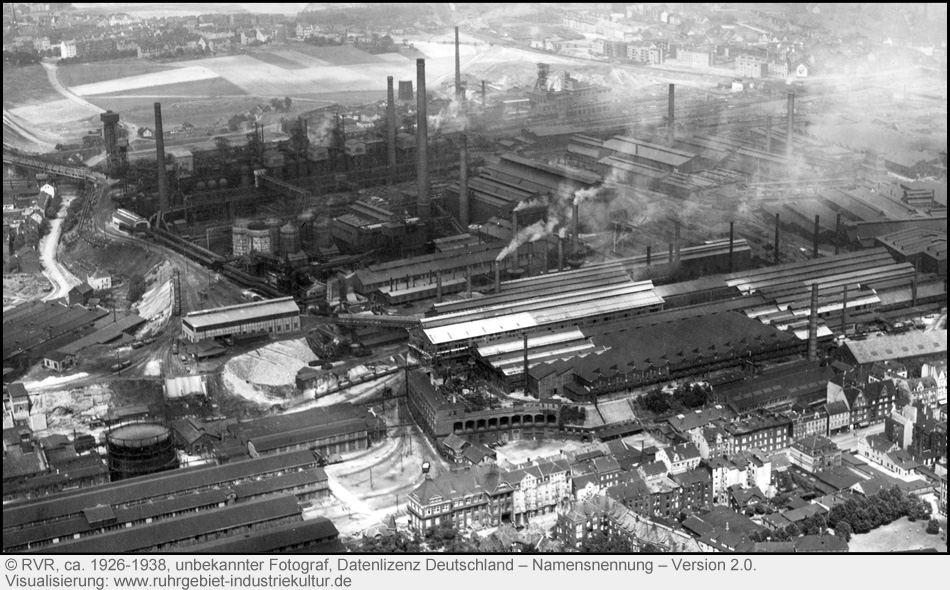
[
  {"x": 813, "y": 325},
  {"x": 837, "y": 234},
  {"x": 391, "y": 124},
  {"x": 422, "y": 142},
  {"x": 814, "y": 247},
  {"x": 844, "y": 310},
  {"x": 776, "y": 238},
  {"x": 768, "y": 133},
  {"x": 670, "y": 116},
  {"x": 160, "y": 160},
  {"x": 463, "y": 180},
  {"x": 544, "y": 257},
  {"x": 574, "y": 214},
  {"x": 560, "y": 254},
  {"x": 791, "y": 124},
  {"x": 732, "y": 243},
  {"x": 670, "y": 257},
  {"x": 497, "y": 278},
  {"x": 458, "y": 68}
]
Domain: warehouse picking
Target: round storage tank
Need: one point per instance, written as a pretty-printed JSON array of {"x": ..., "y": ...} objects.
[{"x": 140, "y": 448}]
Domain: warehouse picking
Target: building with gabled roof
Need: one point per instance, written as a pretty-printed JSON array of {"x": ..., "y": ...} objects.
[{"x": 815, "y": 452}]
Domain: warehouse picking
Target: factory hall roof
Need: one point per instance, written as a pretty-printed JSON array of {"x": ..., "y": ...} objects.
[
  {"x": 917, "y": 241},
  {"x": 244, "y": 312},
  {"x": 897, "y": 346}
]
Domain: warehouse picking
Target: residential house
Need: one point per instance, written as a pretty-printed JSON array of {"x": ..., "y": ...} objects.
[
  {"x": 762, "y": 431},
  {"x": 878, "y": 449},
  {"x": 814, "y": 453},
  {"x": 680, "y": 458},
  {"x": 67, "y": 49},
  {"x": 806, "y": 422},
  {"x": 18, "y": 400},
  {"x": 839, "y": 416},
  {"x": 489, "y": 495},
  {"x": 100, "y": 280},
  {"x": 712, "y": 441}
]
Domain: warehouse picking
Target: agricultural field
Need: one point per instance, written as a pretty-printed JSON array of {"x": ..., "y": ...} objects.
[
  {"x": 277, "y": 60},
  {"x": 26, "y": 85},
  {"x": 79, "y": 74},
  {"x": 210, "y": 88}
]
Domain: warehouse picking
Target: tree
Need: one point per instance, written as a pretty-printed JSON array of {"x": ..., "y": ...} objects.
[
  {"x": 792, "y": 530},
  {"x": 933, "y": 527},
  {"x": 136, "y": 288},
  {"x": 43, "y": 229},
  {"x": 843, "y": 531},
  {"x": 399, "y": 542},
  {"x": 287, "y": 103},
  {"x": 600, "y": 542}
]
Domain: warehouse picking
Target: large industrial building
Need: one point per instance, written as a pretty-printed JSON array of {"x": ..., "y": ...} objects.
[{"x": 274, "y": 317}]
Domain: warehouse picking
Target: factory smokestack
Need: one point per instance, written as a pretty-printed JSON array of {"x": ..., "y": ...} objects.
[
  {"x": 732, "y": 243},
  {"x": 844, "y": 310},
  {"x": 670, "y": 116},
  {"x": 422, "y": 142},
  {"x": 768, "y": 133},
  {"x": 545, "y": 262},
  {"x": 468, "y": 281},
  {"x": 497, "y": 278},
  {"x": 913, "y": 288},
  {"x": 574, "y": 214},
  {"x": 458, "y": 68},
  {"x": 463, "y": 180},
  {"x": 837, "y": 234},
  {"x": 525, "y": 336},
  {"x": 649, "y": 254},
  {"x": 391, "y": 124},
  {"x": 560, "y": 254},
  {"x": 484, "y": 95},
  {"x": 790, "y": 116},
  {"x": 776, "y": 237},
  {"x": 813, "y": 325},
  {"x": 814, "y": 246},
  {"x": 676, "y": 240},
  {"x": 438, "y": 288},
  {"x": 160, "y": 160}
]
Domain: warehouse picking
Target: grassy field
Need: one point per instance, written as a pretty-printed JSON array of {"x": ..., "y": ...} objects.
[
  {"x": 208, "y": 88},
  {"x": 338, "y": 56},
  {"x": 198, "y": 112},
  {"x": 276, "y": 60},
  {"x": 77, "y": 74},
  {"x": 26, "y": 85},
  {"x": 900, "y": 535}
]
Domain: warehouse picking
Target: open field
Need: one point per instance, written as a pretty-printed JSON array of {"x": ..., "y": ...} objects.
[
  {"x": 211, "y": 88},
  {"x": 337, "y": 56},
  {"x": 54, "y": 112},
  {"x": 80, "y": 74},
  {"x": 175, "y": 76},
  {"x": 900, "y": 535},
  {"x": 279, "y": 61},
  {"x": 199, "y": 112},
  {"x": 26, "y": 85}
]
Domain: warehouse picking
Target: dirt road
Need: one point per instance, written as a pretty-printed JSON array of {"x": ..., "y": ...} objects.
[{"x": 58, "y": 275}]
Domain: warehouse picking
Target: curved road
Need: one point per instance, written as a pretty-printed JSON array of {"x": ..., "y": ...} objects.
[{"x": 58, "y": 275}]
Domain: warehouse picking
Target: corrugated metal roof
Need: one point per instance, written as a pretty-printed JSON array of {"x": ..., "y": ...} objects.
[{"x": 246, "y": 312}]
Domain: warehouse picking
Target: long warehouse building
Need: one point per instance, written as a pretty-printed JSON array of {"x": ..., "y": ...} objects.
[
  {"x": 170, "y": 484},
  {"x": 274, "y": 316}
]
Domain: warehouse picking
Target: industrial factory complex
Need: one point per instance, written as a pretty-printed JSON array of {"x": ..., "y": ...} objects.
[{"x": 649, "y": 298}]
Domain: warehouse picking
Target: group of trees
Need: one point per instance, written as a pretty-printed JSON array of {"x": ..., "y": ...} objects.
[
  {"x": 73, "y": 213},
  {"x": 20, "y": 58},
  {"x": 136, "y": 288},
  {"x": 685, "y": 397},
  {"x": 573, "y": 414},
  {"x": 862, "y": 515}
]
